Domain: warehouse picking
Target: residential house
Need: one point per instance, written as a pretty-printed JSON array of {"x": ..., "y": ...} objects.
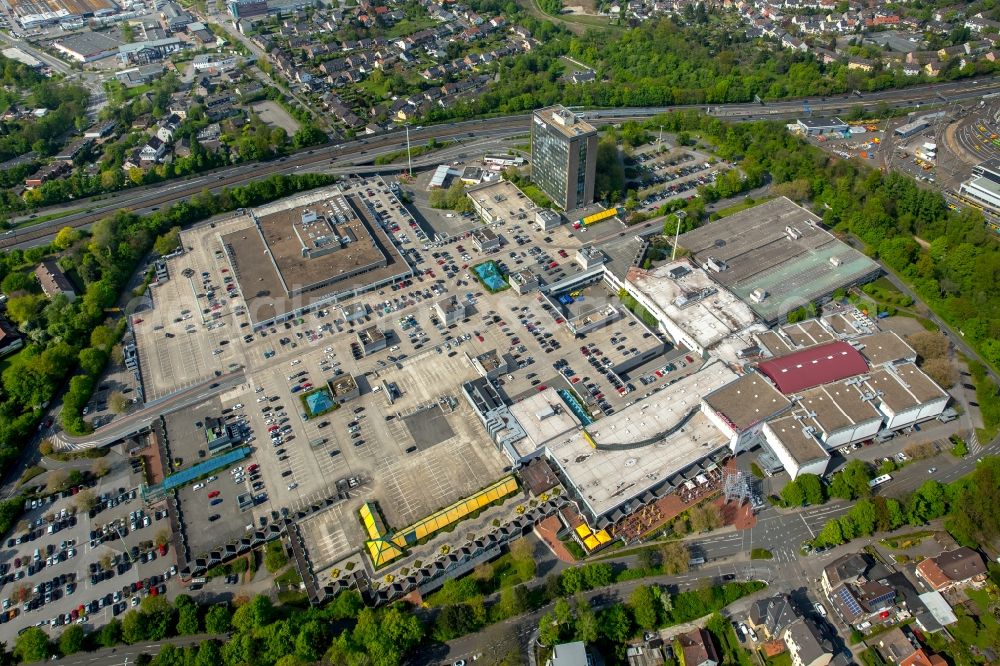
[
  {"x": 861, "y": 64},
  {"x": 980, "y": 24},
  {"x": 153, "y": 151},
  {"x": 49, "y": 172},
  {"x": 698, "y": 649},
  {"x": 167, "y": 127},
  {"x": 806, "y": 644},
  {"x": 960, "y": 567},
  {"x": 10, "y": 339},
  {"x": 772, "y": 615},
  {"x": 857, "y": 587},
  {"x": 896, "y": 645},
  {"x": 569, "y": 654},
  {"x": 53, "y": 280}
]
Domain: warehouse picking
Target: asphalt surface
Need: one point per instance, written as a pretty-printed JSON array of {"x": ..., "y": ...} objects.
[{"x": 140, "y": 419}]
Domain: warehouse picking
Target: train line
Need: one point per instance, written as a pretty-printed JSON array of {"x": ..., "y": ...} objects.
[{"x": 359, "y": 151}]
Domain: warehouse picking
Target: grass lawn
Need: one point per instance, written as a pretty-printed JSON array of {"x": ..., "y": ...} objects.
[
  {"x": 743, "y": 205},
  {"x": 45, "y": 218},
  {"x": 409, "y": 26},
  {"x": 783, "y": 659}
]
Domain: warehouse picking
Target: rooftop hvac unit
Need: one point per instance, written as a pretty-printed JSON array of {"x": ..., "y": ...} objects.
[
  {"x": 836, "y": 261},
  {"x": 793, "y": 233},
  {"x": 308, "y": 216},
  {"x": 758, "y": 295},
  {"x": 717, "y": 265}
]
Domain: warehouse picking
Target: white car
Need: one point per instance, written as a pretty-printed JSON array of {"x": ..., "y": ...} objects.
[
  {"x": 258, "y": 390},
  {"x": 238, "y": 405},
  {"x": 296, "y": 361},
  {"x": 262, "y": 398},
  {"x": 211, "y": 478},
  {"x": 820, "y": 608},
  {"x": 236, "y": 470},
  {"x": 199, "y": 486},
  {"x": 293, "y": 486}
]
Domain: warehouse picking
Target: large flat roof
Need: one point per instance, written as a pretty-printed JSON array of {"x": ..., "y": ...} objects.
[
  {"x": 274, "y": 275},
  {"x": 564, "y": 121},
  {"x": 747, "y": 401},
  {"x": 836, "y": 406},
  {"x": 885, "y": 347},
  {"x": 903, "y": 387},
  {"x": 813, "y": 366},
  {"x": 791, "y": 433},
  {"x": 807, "y": 333},
  {"x": 697, "y": 305},
  {"x": 671, "y": 419},
  {"x": 83, "y": 43},
  {"x": 793, "y": 269},
  {"x": 544, "y": 417}
]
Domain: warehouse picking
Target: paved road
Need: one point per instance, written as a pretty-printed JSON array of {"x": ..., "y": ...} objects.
[
  {"x": 496, "y": 638},
  {"x": 164, "y": 195},
  {"x": 127, "y": 654},
  {"x": 140, "y": 419}
]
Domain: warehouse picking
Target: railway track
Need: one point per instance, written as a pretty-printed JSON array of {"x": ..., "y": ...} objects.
[{"x": 358, "y": 152}]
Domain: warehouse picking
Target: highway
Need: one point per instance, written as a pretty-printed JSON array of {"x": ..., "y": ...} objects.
[{"x": 353, "y": 154}]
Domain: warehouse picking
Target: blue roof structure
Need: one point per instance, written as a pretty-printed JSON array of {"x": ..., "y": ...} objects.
[{"x": 185, "y": 476}]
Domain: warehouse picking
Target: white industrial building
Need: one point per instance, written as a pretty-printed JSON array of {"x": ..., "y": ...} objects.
[
  {"x": 689, "y": 306},
  {"x": 740, "y": 408},
  {"x": 796, "y": 446},
  {"x": 905, "y": 395},
  {"x": 983, "y": 187}
]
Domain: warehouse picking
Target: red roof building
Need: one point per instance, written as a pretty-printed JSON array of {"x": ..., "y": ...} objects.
[{"x": 814, "y": 366}]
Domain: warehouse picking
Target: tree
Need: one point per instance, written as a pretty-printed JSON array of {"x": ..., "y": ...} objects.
[
  {"x": 254, "y": 614},
  {"x": 642, "y": 602},
  {"x": 929, "y": 344},
  {"x": 209, "y": 654},
  {"x": 311, "y": 641},
  {"x": 85, "y": 500},
  {"x": 162, "y": 537},
  {"x": 513, "y": 601},
  {"x": 615, "y": 625},
  {"x": 705, "y": 517},
  {"x": 548, "y": 629},
  {"x": 66, "y": 237},
  {"x": 167, "y": 242},
  {"x": 941, "y": 370},
  {"x": 793, "y": 494},
  {"x": 117, "y": 402},
  {"x": 812, "y": 486},
  {"x": 831, "y": 534},
  {"x": 218, "y": 619},
  {"x": 110, "y": 634},
  {"x": 187, "y": 619},
  {"x": 675, "y": 557},
  {"x": 586, "y": 622},
  {"x": 852, "y": 482},
  {"x": 22, "y": 309},
  {"x": 32, "y": 645},
  {"x": 71, "y": 640},
  {"x": 275, "y": 557}
]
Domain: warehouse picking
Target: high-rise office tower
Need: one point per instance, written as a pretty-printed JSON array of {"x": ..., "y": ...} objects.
[{"x": 563, "y": 157}]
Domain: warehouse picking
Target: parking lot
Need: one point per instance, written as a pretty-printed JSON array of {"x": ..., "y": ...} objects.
[
  {"x": 409, "y": 440},
  {"x": 189, "y": 333},
  {"x": 670, "y": 173},
  {"x": 62, "y": 564}
]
